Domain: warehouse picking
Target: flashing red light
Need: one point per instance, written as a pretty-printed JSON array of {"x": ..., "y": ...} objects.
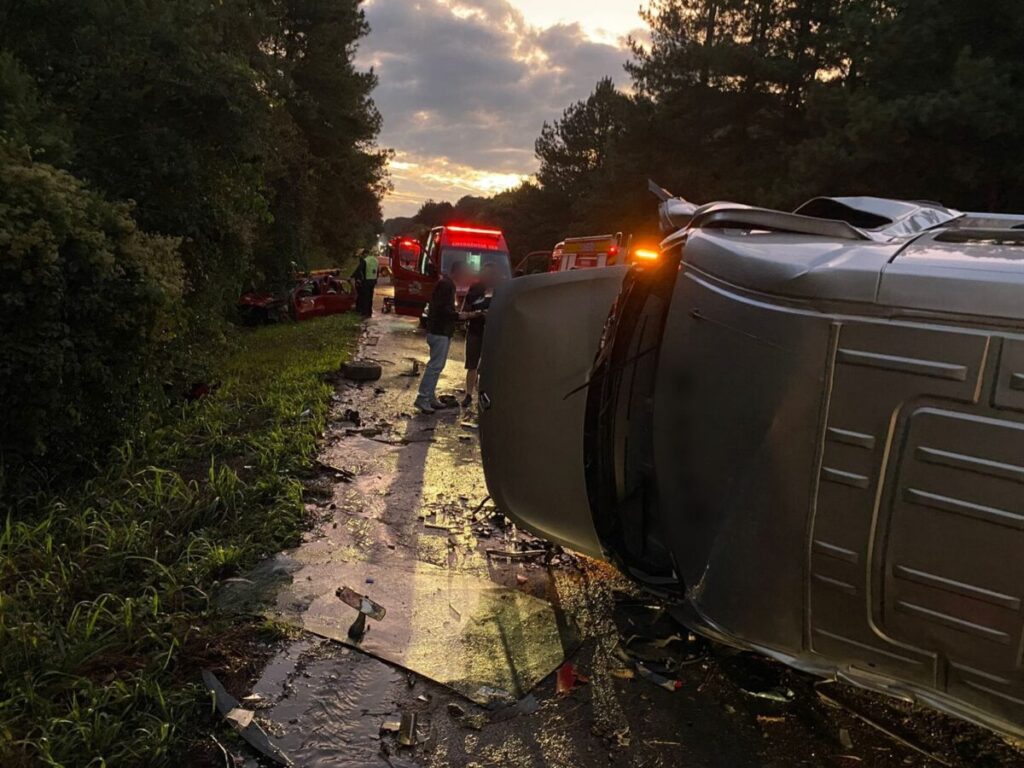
[
  {"x": 407, "y": 242},
  {"x": 613, "y": 251},
  {"x": 475, "y": 231}
]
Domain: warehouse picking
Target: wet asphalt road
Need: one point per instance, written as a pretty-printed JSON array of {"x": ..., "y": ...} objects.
[{"x": 325, "y": 704}]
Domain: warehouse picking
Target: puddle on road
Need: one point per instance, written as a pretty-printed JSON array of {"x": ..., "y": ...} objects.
[{"x": 324, "y": 705}]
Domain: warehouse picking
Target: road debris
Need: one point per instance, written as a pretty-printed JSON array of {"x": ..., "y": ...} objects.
[
  {"x": 824, "y": 692},
  {"x": 365, "y": 606},
  {"x": 229, "y": 759},
  {"x": 407, "y": 735},
  {"x": 525, "y": 554},
  {"x": 361, "y": 603},
  {"x": 250, "y": 730},
  {"x": 352, "y": 416},
  {"x": 340, "y": 473},
  {"x": 658, "y": 680},
  {"x": 361, "y": 370},
  {"x": 567, "y": 679},
  {"x": 475, "y": 721},
  {"x": 844, "y": 738},
  {"x": 777, "y": 695}
]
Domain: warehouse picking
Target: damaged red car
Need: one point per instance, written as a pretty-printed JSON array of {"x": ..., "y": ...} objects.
[{"x": 316, "y": 294}]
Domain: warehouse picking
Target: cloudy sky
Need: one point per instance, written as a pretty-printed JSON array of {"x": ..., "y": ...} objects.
[{"x": 465, "y": 85}]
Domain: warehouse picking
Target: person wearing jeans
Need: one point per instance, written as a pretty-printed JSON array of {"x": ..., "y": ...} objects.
[{"x": 442, "y": 314}]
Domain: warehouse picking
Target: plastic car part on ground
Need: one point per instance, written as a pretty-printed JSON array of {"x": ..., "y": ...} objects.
[{"x": 243, "y": 720}]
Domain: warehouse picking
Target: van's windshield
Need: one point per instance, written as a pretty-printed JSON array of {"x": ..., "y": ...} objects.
[{"x": 475, "y": 258}]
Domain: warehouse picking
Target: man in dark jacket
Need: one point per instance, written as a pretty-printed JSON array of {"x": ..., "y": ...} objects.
[
  {"x": 442, "y": 315},
  {"x": 476, "y": 304}
]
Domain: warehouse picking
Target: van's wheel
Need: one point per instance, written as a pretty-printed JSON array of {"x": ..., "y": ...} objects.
[{"x": 361, "y": 370}]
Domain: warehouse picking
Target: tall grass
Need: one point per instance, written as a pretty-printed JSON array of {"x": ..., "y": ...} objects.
[{"x": 103, "y": 590}]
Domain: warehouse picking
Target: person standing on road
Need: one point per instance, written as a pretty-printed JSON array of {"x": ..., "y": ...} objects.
[
  {"x": 442, "y": 315},
  {"x": 365, "y": 277},
  {"x": 475, "y": 306}
]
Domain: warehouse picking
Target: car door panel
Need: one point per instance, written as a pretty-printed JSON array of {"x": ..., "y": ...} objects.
[{"x": 548, "y": 328}]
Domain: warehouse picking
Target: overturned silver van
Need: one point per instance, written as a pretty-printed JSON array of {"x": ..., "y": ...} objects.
[{"x": 805, "y": 429}]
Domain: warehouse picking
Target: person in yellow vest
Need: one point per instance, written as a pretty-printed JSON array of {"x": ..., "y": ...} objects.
[{"x": 365, "y": 277}]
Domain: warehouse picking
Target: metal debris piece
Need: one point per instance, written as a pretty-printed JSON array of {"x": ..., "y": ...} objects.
[
  {"x": 623, "y": 673},
  {"x": 659, "y": 680},
  {"x": 777, "y": 695},
  {"x": 525, "y": 554},
  {"x": 492, "y": 697},
  {"x": 407, "y": 736},
  {"x": 252, "y": 732},
  {"x": 470, "y": 425},
  {"x": 345, "y": 475},
  {"x": 391, "y": 726},
  {"x": 361, "y": 603}
]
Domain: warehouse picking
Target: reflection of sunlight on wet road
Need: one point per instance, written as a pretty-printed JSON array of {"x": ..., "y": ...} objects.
[{"x": 451, "y": 614}]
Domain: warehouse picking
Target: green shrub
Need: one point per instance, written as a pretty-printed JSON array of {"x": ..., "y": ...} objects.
[{"x": 87, "y": 302}]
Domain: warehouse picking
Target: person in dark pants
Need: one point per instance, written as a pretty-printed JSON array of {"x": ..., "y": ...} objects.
[
  {"x": 475, "y": 306},
  {"x": 442, "y": 315},
  {"x": 365, "y": 278}
]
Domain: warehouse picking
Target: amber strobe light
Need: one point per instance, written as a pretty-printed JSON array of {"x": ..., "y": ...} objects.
[{"x": 645, "y": 254}]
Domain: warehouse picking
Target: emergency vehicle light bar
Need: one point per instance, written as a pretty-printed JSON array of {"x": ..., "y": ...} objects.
[{"x": 471, "y": 230}]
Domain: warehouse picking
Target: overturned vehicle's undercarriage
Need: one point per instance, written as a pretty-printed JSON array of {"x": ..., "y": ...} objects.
[{"x": 805, "y": 428}]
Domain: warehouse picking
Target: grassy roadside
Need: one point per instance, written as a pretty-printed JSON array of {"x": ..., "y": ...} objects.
[{"x": 103, "y": 593}]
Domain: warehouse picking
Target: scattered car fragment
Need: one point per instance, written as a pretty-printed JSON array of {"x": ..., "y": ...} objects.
[
  {"x": 805, "y": 429},
  {"x": 243, "y": 720}
]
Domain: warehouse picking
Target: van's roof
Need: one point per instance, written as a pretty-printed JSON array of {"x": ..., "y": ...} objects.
[{"x": 905, "y": 255}]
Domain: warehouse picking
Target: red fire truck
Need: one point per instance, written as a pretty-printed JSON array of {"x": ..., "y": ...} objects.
[{"x": 472, "y": 245}]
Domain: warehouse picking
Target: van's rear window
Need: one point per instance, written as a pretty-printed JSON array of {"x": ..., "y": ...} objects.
[{"x": 475, "y": 258}]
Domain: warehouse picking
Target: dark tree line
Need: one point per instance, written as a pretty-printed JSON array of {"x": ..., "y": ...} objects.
[
  {"x": 773, "y": 101},
  {"x": 156, "y": 158}
]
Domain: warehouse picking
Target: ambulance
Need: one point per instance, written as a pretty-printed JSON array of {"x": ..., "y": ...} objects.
[{"x": 473, "y": 245}]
